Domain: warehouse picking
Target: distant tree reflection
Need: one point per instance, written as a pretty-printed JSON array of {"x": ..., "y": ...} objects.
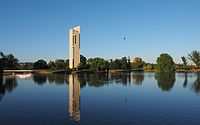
[
  {"x": 165, "y": 81},
  {"x": 1, "y": 79},
  {"x": 137, "y": 78},
  {"x": 196, "y": 85},
  {"x": 10, "y": 84},
  {"x": 2, "y": 88},
  {"x": 97, "y": 80},
  {"x": 123, "y": 78},
  {"x": 185, "y": 83},
  {"x": 40, "y": 79},
  {"x": 82, "y": 80},
  {"x": 58, "y": 79},
  {"x": 7, "y": 85}
]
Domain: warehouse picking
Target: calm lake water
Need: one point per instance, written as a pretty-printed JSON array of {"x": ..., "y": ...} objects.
[{"x": 100, "y": 99}]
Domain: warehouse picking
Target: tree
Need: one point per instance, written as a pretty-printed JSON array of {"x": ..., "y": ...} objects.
[
  {"x": 98, "y": 64},
  {"x": 40, "y": 64},
  {"x": 128, "y": 64},
  {"x": 195, "y": 57},
  {"x": 165, "y": 63},
  {"x": 1, "y": 63},
  {"x": 122, "y": 63},
  {"x": 67, "y": 64},
  {"x": 52, "y": 65},
  {"x": 60, "y": 64},
  {"x": 83, "y": 63},
  {"x": 125, "y": 64},
  {"x": 184, "y": 59},
  {"x": 116, "y": 64},
  {"x": 138, "y": 63},
  {"x": 150, "y": 66},
  {"x": 8, "y": 61},
  {"x": 11, "y": 62},
  {"x": 83, "y": 60}
]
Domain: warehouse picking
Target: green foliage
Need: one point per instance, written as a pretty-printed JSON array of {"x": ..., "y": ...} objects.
[
  {"x": 165, "y": 64},
  {"x": 83, "y": 63},
  {"x": 184, "y": 59},
  {"x": 59, "y": 64},
  {"x": 116, "y": 64},
  {"x": 123, "y": 64},
  {"x": 149, "y": 67},
  {"x": 137, "y": 64},
  {"x": 126, "y": 64},
  {"x": 1, "y": 63},
  {"x": 8, "y": 61},
  {"x": 195, "y": 57},
  {"x": 52, "y": 65},
  {"x": 1, "y": 66},
  {"x": 183, "y": 67},
  {"x": 98, "y": 64},
  {"x": 83, "y": 60},
  {"x": 40, "y": 64},
  {"x": 25, "y": 66}
]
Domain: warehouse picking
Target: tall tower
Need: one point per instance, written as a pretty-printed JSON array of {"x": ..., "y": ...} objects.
[{"x": 74, "y": 47}]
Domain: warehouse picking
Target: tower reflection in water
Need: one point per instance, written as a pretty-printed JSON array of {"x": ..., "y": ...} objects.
[{"x": 74, "y": 97}]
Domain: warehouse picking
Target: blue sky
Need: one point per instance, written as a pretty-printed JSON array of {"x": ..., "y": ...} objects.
[{"x": 38, "y": 29}]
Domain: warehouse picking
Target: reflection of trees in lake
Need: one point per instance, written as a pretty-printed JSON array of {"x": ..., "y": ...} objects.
[
  {"x": 1, "y": 79},
  {"x": 98, "y": 79},
  {"x": 137, "y": 78},
  {"x": 58, "y": 78},
  {"x": 82, "y": 80},
  {"x": 52, "y": 78},
  {"x": 165, "y": 81},
  {"x": 196, "y": 85},
  {"x": 8, "y": 85},
  {"x": 40, "y": 79},
  {"x": 185, "y": 81},
  {"x": 2, "y": 88},
  {"x": 101, "y": 79},
  {"x": 123, "y": 78}
]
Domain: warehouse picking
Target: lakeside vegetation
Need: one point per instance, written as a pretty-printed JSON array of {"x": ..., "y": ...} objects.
[{"x": 164, "y": 64}]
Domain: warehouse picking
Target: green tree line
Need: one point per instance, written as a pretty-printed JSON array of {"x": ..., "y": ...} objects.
[{"x": 164, "y": 63}]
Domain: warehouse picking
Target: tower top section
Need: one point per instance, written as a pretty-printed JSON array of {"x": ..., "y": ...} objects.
[{"x": 77, "y": 28}]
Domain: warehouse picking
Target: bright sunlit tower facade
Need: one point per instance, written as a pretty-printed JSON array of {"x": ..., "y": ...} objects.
[{"x": 74, "y": 47}]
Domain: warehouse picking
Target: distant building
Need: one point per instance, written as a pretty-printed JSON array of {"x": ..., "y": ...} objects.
[
  {"x": 74, "y": 47},
  {"x": 25, "y": 65}
]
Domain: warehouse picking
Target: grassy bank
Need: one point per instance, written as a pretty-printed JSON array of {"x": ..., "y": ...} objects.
[
  {"x": 11, "y": 72},
  {"x": 192, "y": 70}
]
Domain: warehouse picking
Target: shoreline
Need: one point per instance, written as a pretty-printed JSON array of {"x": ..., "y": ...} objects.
[{"x": 11, "y": 72}]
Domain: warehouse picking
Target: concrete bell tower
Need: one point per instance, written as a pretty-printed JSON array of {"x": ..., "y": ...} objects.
[{"x": 74, "y": 47}]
